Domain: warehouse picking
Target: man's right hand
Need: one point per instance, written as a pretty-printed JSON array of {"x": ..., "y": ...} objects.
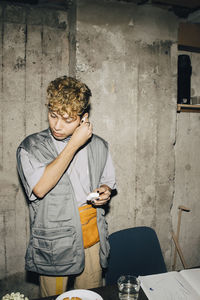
[
  {"x": 57, "y": 167},
  {"x": 81, "y": 134}
]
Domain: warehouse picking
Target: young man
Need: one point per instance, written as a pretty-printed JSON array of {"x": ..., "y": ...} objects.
[{"x": 59, "y": 167}]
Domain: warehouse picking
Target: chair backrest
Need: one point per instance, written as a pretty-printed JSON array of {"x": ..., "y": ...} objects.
[{"x": 134, "y": 251}]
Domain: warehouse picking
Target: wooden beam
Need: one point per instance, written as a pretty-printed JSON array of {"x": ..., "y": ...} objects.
[
  {"x": 189, "y": 37},
  {"x": 179, "y": 250},
  {"x": 182, "y": 3}
]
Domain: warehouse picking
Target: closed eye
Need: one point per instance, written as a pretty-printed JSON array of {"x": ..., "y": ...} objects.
[
  {"x": 69, "y": 120},
  {"x": 53, "y": 115}
]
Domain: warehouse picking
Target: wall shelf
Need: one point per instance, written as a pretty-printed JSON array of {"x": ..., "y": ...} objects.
[{"x": 188, "y": 108}]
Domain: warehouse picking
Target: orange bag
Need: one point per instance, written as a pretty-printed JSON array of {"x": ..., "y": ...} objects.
[{"x": 88, "y": 217}]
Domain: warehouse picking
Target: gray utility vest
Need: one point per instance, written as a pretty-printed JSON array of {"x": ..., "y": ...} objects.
[{"x": 56, "y": 244}]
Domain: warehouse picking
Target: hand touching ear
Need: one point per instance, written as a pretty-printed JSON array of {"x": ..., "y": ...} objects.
[{"x": 81, "y": 135}]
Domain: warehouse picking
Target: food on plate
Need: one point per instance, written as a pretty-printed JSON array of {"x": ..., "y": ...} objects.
[
  {"x": 72, "y": 298},
  {"x": 14, "y": 296}
]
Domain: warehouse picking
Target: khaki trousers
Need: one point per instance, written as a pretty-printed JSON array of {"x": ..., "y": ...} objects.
[{"x": 91, "y": 276}]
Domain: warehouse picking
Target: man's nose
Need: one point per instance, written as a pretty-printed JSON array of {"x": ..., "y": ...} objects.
[{"x": 58, "y": 124}]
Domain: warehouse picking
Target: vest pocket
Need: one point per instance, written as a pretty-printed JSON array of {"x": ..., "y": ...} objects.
[
  {"x": 53, "y": 246},
  {"x": 59, "y": 210}
]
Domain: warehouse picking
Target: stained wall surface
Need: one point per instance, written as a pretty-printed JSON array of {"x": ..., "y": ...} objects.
[
  {"x": 33, "y": 51},
  {"x": 127, "y": 54},
  {"x": 188, "y": 173}
]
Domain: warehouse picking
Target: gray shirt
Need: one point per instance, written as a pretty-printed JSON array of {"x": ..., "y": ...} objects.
[{"x": 77, "y": 171}]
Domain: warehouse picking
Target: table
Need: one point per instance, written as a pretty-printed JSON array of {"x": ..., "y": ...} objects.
[
  {"x": 107, "y": 293},
  {"x": 111, "y": 293}
]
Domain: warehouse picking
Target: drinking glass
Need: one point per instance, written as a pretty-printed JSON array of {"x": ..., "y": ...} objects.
[{"x": 128, "y": 286}]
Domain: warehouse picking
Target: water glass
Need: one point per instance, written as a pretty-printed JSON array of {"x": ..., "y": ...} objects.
[{"x": 128, "y": 286}]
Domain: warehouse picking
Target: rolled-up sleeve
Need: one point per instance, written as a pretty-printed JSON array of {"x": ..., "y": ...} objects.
[
  {"x": 33, "y": 171},
  {"x": 108, "y": 176}
]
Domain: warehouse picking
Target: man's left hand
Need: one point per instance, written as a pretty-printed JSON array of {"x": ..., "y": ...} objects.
[{"x": 104, "y": 195}]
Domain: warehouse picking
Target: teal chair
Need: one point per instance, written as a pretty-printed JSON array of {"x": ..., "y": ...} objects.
[{"x": 134, "y": 251}]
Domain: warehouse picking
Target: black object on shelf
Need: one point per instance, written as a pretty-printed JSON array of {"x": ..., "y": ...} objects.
[{"x": 184, "y": 79}]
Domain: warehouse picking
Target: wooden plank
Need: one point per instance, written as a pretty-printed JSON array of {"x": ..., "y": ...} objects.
[
  {"x": 182, "y": 3},
  {"x": 179, "y": 250},
  {"x": 188, "y": 108},
  {"x": 189, "y": 36}
]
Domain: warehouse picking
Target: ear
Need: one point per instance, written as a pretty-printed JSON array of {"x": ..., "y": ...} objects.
[{"x": 84, "y": 117}]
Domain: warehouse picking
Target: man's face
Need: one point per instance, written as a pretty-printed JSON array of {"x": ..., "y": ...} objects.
[{"x": 62, "y": 126}]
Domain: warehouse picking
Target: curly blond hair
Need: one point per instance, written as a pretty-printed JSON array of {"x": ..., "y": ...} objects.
[{"x": 68, "y": 95}]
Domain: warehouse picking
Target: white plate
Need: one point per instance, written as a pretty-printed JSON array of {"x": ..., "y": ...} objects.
[{"x": 83, "y": 294}]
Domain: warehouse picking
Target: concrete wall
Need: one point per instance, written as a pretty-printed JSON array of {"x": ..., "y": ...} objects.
[
  {"x": 33, "y": 51},
  {"x": 188, "y": 173},
  {"x": 127, "y": 54}
]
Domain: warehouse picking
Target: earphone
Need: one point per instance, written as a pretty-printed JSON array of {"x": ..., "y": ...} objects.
[{"x": 83, "y": 119}]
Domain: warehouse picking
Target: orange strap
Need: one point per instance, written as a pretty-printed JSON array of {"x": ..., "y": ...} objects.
[
  {"x": 59, "y": 285},
  {"x": 88, "y": 218}
]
